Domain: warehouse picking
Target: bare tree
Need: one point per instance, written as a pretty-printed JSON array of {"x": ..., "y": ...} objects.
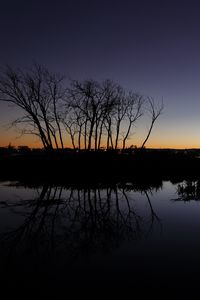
[
  {"x": 89, "y": 103},
  {"x": 57, "y": 95},
  {"x": 155, "y": 111},
  {"x": 102, "y": 109},
  {"x": 37, "y": 93},
  {"x": 21, "y": 89},
  {"x": 71, "y": 128},
  {"x": 120, "y": 112},
  {"x": 77, "y": 112},
  {"x": 134, "y": 104},
  {"x": 107, "y": 110}
]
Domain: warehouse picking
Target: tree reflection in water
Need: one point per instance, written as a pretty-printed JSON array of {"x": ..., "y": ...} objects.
[
  {"x": 79, "y": 220},
  {"x": 188, "y": 190}
]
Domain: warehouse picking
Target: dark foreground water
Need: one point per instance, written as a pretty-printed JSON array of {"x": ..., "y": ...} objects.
[{"x": 55, "y": 239}]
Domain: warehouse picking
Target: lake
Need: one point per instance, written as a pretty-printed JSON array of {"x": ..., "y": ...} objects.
[{"x": 116, "y": 237}]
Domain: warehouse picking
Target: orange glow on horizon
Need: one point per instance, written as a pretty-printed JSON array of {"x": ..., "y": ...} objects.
[
  {"x": 159, "y": 141},
  {"x": 38, "y": 144}
]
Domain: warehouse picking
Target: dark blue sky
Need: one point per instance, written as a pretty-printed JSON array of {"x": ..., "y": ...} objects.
[{"x": 152, "y": 47}]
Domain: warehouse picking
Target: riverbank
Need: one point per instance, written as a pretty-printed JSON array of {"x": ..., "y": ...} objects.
[{"x": 100, "y": 167}]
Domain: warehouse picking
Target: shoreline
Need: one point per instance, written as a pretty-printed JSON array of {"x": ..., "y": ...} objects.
[{"x": 100, "y": 167}]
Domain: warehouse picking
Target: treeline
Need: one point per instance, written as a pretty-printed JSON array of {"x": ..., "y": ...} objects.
[{"x": 91, "y": 115}]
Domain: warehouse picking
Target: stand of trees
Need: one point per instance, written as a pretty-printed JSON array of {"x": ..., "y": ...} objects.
[{"x": 89, "y": 114}]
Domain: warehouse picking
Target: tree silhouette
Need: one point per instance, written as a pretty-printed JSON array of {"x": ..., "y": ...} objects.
[
  {"x": 102, "y": 109},
  {"x": 37, "y": 92},
  {"x": 155, "y": 112},
  {"x": 89, "y": 113}
]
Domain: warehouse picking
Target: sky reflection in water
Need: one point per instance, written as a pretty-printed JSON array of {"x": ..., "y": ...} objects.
[{"x": 114, "y": 236}]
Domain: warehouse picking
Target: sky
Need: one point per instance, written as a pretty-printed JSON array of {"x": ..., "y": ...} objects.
[{"x": 151, "y": 47}]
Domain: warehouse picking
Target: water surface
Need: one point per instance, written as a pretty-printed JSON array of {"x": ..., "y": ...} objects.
[{"x": 123, "y": 236}]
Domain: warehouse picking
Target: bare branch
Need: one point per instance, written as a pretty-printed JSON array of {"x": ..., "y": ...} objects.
[{"x": 155, "y": 111}]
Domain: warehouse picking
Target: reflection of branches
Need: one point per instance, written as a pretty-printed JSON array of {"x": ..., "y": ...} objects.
[
  {"x": 188, "y": 190},
  {"x": 154, "y": 216},
  {"x": 33, "y": 227},
  {"x": 77, "y": 220}
]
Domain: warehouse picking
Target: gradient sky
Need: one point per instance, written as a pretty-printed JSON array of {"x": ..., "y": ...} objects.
[{"x": 152, "y": 47}]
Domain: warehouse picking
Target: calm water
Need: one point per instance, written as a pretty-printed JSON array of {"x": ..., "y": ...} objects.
[{"x": 55, "y": 238}]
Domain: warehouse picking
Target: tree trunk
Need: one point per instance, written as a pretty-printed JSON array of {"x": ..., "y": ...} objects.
[
  {"x": 79, "y": 138},
  {"x": 57, "y": 122},
  {"x": 117, "y": 134},
  {"x": 41, "y": 133},
  {"x": 96, "y": 135},
  {"x": 126, "y": 136},
  {"x": 100, "y": 134},
  {"x": 85, "y": 135},
  {"x": 90, "y": 134},
  {"x": 148, "y": 135}
]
